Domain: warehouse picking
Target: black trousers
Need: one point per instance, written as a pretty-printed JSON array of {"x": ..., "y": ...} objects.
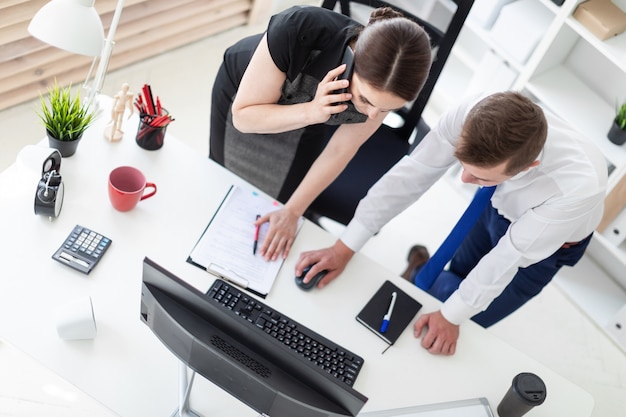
[{"x": 527, "y": 282}]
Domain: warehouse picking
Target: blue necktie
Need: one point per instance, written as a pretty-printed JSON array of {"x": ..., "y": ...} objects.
[{"x": 431, "y": 270}]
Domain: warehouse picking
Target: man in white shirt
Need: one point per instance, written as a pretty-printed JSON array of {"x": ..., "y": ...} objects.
[{"x": 549, "y": 198}]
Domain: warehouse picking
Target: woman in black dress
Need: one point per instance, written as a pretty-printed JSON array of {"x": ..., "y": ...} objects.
[{"x": 276, "y": 92}]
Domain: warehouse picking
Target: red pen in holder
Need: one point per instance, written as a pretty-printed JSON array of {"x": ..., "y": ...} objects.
[{"x": 151, "y": 131}]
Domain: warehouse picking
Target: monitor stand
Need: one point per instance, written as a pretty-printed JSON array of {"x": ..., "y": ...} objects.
[{"x": 184, "y": 391}]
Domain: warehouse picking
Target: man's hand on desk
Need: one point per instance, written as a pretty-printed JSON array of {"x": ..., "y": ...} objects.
[
  {"x": 281, "y": 234},
  {"x": 441, "y": 335},
  {"x": 333, "y": 259}
]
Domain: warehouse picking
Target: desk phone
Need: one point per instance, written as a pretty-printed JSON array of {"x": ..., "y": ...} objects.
[{"x": 82, "y": 249}]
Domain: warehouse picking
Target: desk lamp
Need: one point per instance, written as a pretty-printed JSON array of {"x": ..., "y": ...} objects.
[{"x": 75, "y": 26}]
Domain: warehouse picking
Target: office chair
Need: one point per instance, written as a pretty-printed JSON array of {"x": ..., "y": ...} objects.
[{"x": 388, "y": 144}]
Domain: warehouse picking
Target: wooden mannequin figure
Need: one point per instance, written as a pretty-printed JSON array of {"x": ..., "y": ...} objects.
[{"x": 122, "y": 100}]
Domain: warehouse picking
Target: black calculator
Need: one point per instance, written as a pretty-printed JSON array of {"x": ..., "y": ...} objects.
[{"x": 82, "y": 249}]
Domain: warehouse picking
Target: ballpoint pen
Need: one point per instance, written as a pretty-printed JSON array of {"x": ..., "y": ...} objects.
[
  {"x": 387, "y": 317},
  {"x": 256, "y": 236},
  {"x": 149, "y": 98}
]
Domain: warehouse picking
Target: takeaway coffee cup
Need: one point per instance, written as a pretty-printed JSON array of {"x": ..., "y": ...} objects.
[
  {"x": 526, "y": 391},
  {"x": 127, "y": 186},
  {"x": 76, "y": 320}
]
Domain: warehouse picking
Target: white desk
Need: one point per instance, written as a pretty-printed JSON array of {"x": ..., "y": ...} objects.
[{"x": 127, "y": 369}]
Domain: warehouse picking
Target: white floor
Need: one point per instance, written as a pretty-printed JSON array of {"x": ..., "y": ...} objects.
[{"x": 549, "y": 328}]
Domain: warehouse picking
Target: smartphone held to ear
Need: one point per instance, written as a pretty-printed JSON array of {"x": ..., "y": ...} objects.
[{"x": 348, "y": 59}]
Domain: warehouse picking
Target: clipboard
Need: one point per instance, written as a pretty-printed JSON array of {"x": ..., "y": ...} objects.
[{"x": 225, "y": 248}]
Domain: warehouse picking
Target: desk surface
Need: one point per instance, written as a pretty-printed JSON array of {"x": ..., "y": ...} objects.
[{"x": 128, "y": 370}]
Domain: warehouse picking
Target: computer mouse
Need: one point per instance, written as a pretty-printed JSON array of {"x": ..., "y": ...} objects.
[{"x": 313, "y": 282}]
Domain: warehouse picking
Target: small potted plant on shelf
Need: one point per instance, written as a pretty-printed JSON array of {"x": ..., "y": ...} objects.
[
  {"x": 617, "y": 133},
  {"x": 65, "y": 117}
]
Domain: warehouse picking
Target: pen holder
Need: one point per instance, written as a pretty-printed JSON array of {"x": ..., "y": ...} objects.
[{"x": 150, "y": 136}]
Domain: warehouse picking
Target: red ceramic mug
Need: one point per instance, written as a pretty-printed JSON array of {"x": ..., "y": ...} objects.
[{"x": 127, "y": 186}]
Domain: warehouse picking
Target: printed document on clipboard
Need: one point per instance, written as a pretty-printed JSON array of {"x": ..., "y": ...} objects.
[{"x": 226, "y": 246}]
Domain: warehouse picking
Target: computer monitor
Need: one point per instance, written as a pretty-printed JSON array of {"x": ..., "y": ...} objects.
[{"x": 242, "y": 360}]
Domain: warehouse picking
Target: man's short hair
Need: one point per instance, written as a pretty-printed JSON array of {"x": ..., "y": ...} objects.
[{"x": 503, "y": 127}]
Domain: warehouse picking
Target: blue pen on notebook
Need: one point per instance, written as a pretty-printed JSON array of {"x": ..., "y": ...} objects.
[{"x": 387, "y": 317}]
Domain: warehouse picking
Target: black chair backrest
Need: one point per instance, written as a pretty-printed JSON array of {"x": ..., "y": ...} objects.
[{"x": 441, "y": 42}]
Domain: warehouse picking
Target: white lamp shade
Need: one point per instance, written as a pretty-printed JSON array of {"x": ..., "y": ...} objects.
[{"x": 72, "y": 25}]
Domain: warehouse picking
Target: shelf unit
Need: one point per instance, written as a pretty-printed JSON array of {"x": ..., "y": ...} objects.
[{"x": 573, "y": 74}]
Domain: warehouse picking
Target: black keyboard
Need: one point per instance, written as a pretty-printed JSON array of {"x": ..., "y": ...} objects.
[{"x": 321, "y": 352}]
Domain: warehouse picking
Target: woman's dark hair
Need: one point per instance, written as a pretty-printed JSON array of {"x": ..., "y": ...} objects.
[{"x": 392, "y": 53}]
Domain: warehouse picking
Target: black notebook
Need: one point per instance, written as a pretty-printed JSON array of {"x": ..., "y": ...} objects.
[{"x": 404, "y": 310}]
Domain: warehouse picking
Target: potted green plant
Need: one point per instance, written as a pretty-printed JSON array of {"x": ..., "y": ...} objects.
[
  {"x": 65, "y": 117},
  {"x": 617, "y": 133}
]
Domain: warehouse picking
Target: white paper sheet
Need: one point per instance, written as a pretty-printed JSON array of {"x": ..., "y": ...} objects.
[{"x": 226, "y": 246}]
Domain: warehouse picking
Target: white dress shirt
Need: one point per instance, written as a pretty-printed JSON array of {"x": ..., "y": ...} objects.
[{"x": 560, "y": 200}]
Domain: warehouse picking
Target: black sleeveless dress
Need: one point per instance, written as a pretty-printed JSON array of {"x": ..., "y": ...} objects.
[{"x": 305, "y": 42}]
